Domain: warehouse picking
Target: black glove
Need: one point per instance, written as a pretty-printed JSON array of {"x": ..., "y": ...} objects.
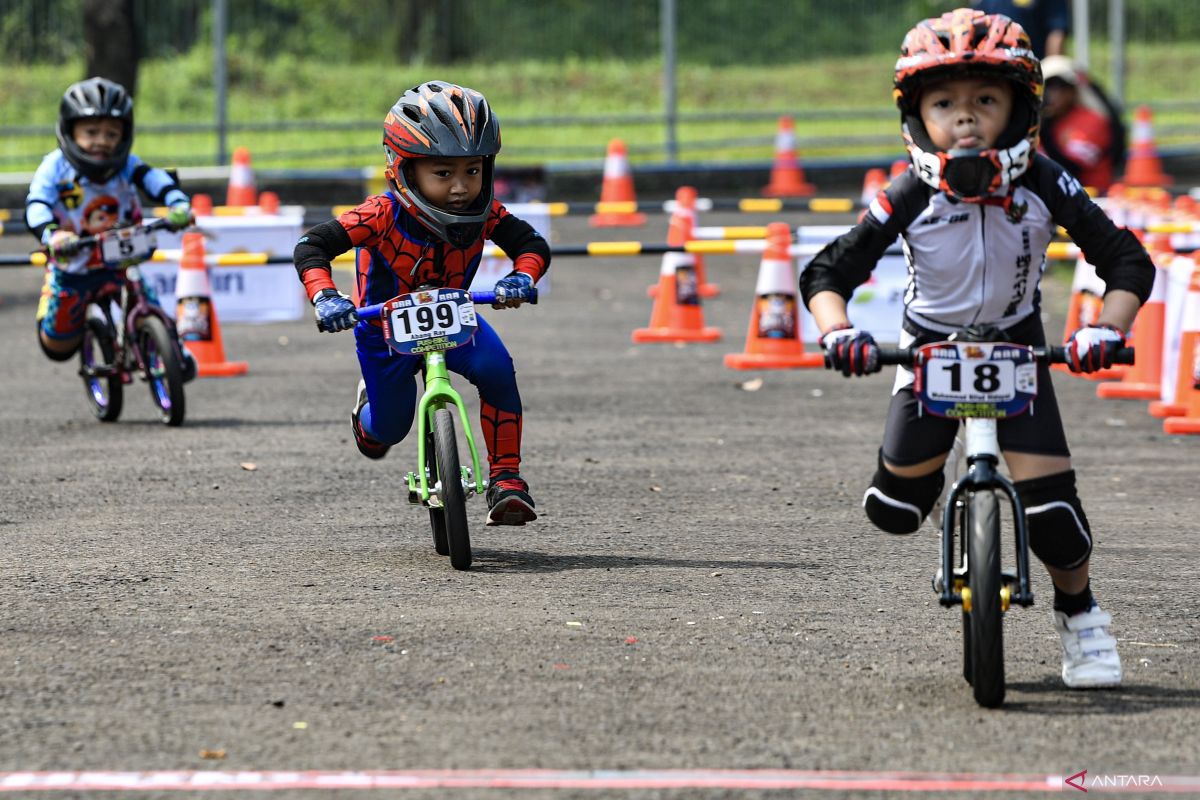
[
  {"x": 850, "y": 350},
  {"x": 1093, "y": 347},
  {"x": 334, "y": 311}
]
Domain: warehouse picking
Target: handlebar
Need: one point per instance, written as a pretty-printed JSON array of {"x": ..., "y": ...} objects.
[
  {"x": 373, "y": 311},
  {"x": 903, "y": 357},
  {"x": 158, "y": 223}
]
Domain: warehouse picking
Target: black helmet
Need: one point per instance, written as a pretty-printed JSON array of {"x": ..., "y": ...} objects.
[
  {"x": 95, "y": 97},
  {"x": 439, "y": 119}
]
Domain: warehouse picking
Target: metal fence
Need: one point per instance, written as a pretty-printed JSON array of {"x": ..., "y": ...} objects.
[{"x": 671, "y": 50}]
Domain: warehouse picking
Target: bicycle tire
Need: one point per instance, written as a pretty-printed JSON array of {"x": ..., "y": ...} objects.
[
  {"x": 106, "y": 395},
  {"x": 437, "y": 517},
  {"x": 163, "y": 372},
  {"x": 983, "y": 577},
  {"x": 454, "y": 499}
]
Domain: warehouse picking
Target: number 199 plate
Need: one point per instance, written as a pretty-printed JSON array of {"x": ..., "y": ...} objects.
[
  {"x": 975, "y": 379},
  {"x": 429, "y": 320}
]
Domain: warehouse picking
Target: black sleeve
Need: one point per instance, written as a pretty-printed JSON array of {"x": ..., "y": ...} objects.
[
  {"x": 320, "y": 245},
  {"x": 516, "y": 237},
  {"x": 1119, "y": 258},
  {"x": 846, "y": 263}
]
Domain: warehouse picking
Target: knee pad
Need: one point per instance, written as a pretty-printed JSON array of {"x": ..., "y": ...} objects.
[
  {"x": 56, "y": 355},
  {"x": 1059, "y": 534},
  {"x": 900, "y": 505}
]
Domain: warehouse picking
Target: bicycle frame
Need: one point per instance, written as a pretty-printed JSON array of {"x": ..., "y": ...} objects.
[{"x": 131, "y": 314}]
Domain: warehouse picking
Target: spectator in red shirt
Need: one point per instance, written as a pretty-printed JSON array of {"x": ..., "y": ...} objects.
[{"x": 1081, "y": 128}]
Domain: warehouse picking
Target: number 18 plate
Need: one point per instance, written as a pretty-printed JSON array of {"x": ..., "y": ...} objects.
[
  {"x": 429, "y": 320},
  {"x": 975, "y": 379}
]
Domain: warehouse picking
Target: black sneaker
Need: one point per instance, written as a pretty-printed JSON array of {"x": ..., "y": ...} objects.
[
  {"x": 508, "y": 501},
  {"x": 368, "y": 446}
]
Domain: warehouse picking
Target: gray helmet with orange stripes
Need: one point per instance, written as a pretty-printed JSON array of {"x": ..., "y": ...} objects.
[{"x": 440, "y": 119}]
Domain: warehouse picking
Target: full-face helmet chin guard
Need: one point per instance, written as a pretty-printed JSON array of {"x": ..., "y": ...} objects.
[
  {"x": 442, "y": 120},
  {"x": 970, "y": 175}
]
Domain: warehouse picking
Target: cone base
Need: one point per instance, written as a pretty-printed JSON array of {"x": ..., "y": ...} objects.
[
  {"x": 1128, "y": 391},
  {"x": 1184, "y": 425},
  {"x": 222, "y": 369},
  {"x": 616, "y": 220},
  {"x": 789, "y": 190},
  {"x": 772, "y": 361},
  {"x": 705, "y": 290},
  {"x": 643, "y": 335},
  {"x": 1161, "y": 410}
]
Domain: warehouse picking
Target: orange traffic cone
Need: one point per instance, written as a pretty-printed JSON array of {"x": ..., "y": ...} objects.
[
  {"x": 202, "y": 205},
  {"x": 677, "y": 315},
  {"x": 268, "y": 203},
  {"x": 1143, "y": 380},
  {"x": 1087, "y": 298},
  {"x": 680, "y": 232},
  {"x": 1188, "y": 381},
  {"x": 1144, "y": 168},
  {"x": 787, "y": 176},
  {"x": 899, "y": 167},
  {"x": 618, "y": 205},
  {"x": 1173, "y": 400},
  {"x": 241, "y": 180},
  {"x": 195, "y": 316},
  {"x": 773, "y": 341},
  {"x": 873, "y": 183}
]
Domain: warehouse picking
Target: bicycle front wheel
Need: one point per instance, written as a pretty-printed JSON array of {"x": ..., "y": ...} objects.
[
  {"x": 985, "y": 638},
  {"x": 454, "y": 499},
  {"x": 163, "y": 371},
  {"x": 437, "y": 517},
  {"x": 97, "y": 367}
]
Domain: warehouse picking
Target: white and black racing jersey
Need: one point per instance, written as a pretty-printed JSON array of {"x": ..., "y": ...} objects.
[{"x": 978, "y": 263}]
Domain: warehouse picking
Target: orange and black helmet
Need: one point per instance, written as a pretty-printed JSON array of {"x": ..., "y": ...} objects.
[
  {"x": 442, "y": 120},
  {"x": 966, "y": 43}
]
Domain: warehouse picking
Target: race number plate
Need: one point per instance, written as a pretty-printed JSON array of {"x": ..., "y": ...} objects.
[
  {"x": 429, "y": 320},
  {"x": 121, "y": 245},
  {"x": 974, "y": 379}
]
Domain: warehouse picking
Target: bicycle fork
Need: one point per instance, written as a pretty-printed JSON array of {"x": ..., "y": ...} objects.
[
  {"x": 440, "y": 393},
  {"x": 983, "y": 475}
]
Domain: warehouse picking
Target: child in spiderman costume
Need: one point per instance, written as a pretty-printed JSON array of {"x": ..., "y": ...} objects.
[{"x": 429, "y": 228}]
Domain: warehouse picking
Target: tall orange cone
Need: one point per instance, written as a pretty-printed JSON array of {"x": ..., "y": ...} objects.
[
  {"x": 1144, "y": 168},
  {"x": 1188, "y": 381},
  {"x": 241, "y": 180},
  {"x": 1172, "y": 402},
  {"x": 1143, "y": 381},
  {"x": 618, "y": 204},
  {"x": 773, "y": 340},
  {"x": 677, "y": 315},
  {"x": 787, "y": 176},
  {"x": 680, "y": 231},
  {"x": 1087, "y": 298},
  {"x": 195, "y": 316},
  {"x": 202, "y": 205}
]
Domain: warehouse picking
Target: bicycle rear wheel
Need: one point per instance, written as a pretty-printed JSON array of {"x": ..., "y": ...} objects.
[
  {"x": 454, "y": 500},
  {"x": 437, "y": 517},
  {"x": 983, "y": 577},
  {"x": 163, "y": 371},
  {"x": 97, "y": 353}
]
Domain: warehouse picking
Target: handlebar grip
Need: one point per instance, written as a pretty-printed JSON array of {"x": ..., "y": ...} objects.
[
  {"x": 490, "y": 296},
  {"x": 1058, "y": 355},
  {"x": 893, "y": 357}
]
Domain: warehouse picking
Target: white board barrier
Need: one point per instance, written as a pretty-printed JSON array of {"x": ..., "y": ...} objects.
[{"x": 876, "y": 306}]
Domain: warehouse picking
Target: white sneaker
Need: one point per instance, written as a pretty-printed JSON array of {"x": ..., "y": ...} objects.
[{"x": 1090, "y": 657}]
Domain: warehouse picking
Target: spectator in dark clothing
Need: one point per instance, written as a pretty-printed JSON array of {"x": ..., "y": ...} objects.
[{"x": 1046, "y": 21}]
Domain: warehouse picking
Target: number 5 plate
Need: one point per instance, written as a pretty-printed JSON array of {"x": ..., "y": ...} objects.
[
  {"x": 975, "y": 379},
  {"x": 120, "y": 245},
  {"x": 428, "y": 321}
]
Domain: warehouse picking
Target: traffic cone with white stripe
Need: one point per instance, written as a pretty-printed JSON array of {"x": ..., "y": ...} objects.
[
  {"x": 1144, "y": 167},
  {"x": 618, "y": 203},
  {"x": 1188, "y": 380},
  {"x": 195, "y": 315},
  {"x": 241, "y": 180},
  {"x": 680, "y": 231},
  {"x": 873, "y": 183},
  {"x": 1143, "y": 380},
  {"x": 773, "y": 341},
  {"x": 787, "y": 176},
  {"x": 677, "y": 315},
  {"x": 1087, "y": 298}
]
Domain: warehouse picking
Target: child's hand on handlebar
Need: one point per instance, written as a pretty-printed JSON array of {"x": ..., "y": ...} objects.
[
  {"x": 1094, "y": 347},
  {"x": 512, "y": 290},
  {"x": 850, "y": 350},
  {"x": 61, "y": 244},
  {"x": 334, "y": 311},
  {"x": 179, "y": 215}
]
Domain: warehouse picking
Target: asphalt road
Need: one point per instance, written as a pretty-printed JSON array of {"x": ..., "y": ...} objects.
[{"x": 702, "y": 590}]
